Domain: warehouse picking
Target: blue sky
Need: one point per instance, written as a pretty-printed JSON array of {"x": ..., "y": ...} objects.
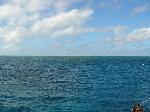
[{"x": 75, "y": 27}]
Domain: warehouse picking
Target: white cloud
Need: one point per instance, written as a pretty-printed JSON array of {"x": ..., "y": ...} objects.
[
  {"x": 136, "y": 35},
  {"x": 62, "y": 23},
  {"x": 139, "y": 34},
  {"x": 61, "y": 4},
  {"x": 32, "y": 5},
  {"x": 18, "y": 2},
  {"x": 12, "y": 36},
  {"x": 118, "y": 29},
  {"x": 37, "y": 5},
  {"x": 6, "y": 11},
  {"x": 39, "y": 18},
  {"x": 72, "y": 30},
  {"x": 141, "y": 9},
  {"x": 112, "y": 4}
]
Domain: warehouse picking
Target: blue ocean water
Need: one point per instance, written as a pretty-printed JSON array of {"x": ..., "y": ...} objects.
[{"x": 74, "y": 84}]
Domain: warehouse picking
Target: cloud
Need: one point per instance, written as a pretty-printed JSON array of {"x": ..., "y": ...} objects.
[
  {"x": 22, "y": 19},
  {"x": 136, "y": 35},
  {"x": 63, "y": 23},
  {"x": 61, "y": 4},
  {"x": 6, "y": 11},
  {"x": 112, "y": 4},
  {"x": 12, "y": 35},
  {"x": 37, "y": 5},
  {"x": 141, "y": 9}
]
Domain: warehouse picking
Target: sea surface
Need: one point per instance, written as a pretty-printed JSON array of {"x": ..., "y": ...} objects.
[{"x": 74, "y": 84}]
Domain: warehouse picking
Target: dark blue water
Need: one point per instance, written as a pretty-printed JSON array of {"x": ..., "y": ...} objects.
[{"x": 73, "y": 84}]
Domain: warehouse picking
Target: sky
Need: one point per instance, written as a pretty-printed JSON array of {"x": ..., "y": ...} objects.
[{"x": 75, "y": 27}]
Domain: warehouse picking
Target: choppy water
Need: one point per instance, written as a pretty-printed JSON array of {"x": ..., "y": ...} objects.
[{"x": 73, "y": 84}]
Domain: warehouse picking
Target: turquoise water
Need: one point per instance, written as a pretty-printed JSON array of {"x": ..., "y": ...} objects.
[{"x": 73, "y": 84}]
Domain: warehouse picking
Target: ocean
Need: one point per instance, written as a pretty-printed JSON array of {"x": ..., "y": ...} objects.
[{"x": 74, "y": 84}]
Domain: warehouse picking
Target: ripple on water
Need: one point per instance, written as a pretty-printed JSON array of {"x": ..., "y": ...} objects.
[{"x": 67, "y": 84}]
